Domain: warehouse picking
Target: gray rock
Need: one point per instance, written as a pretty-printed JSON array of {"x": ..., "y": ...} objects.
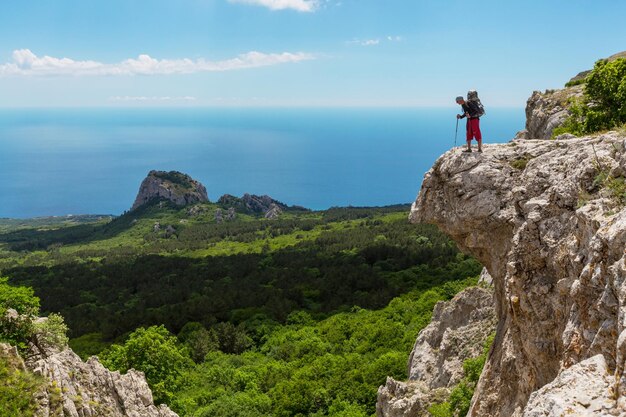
[
  {"x": 195, "y": 210},
  {"x": 89, "y": 389},
  {"x": 407, "y": 399},
  {"x": 458, "y": 331},
  {"x": 250, "y": 203},
  {"x": 173, "y": 186},
  {"x": 582, "y": 390},
  {"x": 485, "y": 278},
  {"x": 546, "y": 111},
  {"x": 554, "y": 243},
  {"x": 565, "y": 136},
  {"x": 273, "y": 212}
]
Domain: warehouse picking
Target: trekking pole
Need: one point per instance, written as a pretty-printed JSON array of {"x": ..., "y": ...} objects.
[{"x": 456, "y": 131}]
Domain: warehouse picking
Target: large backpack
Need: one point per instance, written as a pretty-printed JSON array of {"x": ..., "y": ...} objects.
[{"x": 472, "y": 95}]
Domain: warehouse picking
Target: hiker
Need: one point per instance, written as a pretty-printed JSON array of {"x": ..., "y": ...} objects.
[{"x": 472, "y": 111}]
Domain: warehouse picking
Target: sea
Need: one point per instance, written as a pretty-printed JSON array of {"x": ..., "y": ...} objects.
[{"x": 57, "y": 162}]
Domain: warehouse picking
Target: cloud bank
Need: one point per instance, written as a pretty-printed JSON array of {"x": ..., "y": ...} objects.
[
  {"x": 299, "y": 5},
  {"x": 25, "y": 62}
]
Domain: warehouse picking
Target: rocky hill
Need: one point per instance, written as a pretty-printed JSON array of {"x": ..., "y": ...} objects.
[
  {"x": 256, "y": 204},
  {"x": 547, "y": 110},
  {"x": 548, "y": 221},
  {"x": 172, "y": 186}
]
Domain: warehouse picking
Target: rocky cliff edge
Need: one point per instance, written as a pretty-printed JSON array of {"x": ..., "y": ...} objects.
[{"x": 547, "y": 219}]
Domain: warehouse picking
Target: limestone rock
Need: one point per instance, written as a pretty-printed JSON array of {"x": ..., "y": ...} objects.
[
  {"x": 546, "y": 111},
  {"x": 456, "y": 332},
  {"x": 582, "y": 390},
  {"x": 196, "y": 210},
  {"x": 273, "y": 212},
  {"x": 407, "y": 399},
  {"x": 174, "y": 186},
  {"x": 553, "y": 238},
  {"x": 253, "y": 204},
  {"x": 89, "y": 389}
]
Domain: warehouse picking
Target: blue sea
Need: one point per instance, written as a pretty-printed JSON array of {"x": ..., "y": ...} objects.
[{"x": 91, "y": 161}]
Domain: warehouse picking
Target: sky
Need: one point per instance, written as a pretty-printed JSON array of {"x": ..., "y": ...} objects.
[{"x": 320, "y": 53}]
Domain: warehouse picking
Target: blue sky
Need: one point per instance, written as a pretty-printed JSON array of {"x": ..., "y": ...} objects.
[{"x": 296, "y": 52}]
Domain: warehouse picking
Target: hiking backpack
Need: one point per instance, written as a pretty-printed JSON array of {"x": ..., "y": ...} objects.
[{"x": 472, "y": 95}]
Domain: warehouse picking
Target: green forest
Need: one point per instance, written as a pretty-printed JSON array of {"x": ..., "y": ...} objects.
[{"x": 303, "y": 315}]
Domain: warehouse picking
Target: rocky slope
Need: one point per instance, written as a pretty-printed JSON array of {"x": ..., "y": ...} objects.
[
  {"x": 173, "y": 186},
  {"x": 89, "y": 389},
  {"x": 546, "y": 111},
  {"x": 74, "y": 388},
  {"x": 547, "y": 219},
  {"x": 457, "y": 332}
]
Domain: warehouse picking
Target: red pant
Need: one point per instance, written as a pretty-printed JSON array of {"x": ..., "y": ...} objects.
[{"x": 473, "y": 130}]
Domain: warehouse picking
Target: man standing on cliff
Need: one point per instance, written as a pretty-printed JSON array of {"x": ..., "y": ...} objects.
[{"x": 472, "y": 112}]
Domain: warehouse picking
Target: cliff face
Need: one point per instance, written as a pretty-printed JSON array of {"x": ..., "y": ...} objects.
[
  {"x": 547, "y": 220},
  {"x": 174, "y": 186},
  {"x": 457, "y": 332}
]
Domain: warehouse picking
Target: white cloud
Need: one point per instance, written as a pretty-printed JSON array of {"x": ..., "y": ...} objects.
[
  {"x": 299, "y": 5},
  {"x": 370, "y": 42},
  {"x": 375, "y": 41},
  {"x": 25, "y": 62},
  {"x": 366, "y": 42}
]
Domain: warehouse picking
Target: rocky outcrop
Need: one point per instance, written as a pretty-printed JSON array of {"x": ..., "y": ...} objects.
[
  {"x": 548, "y": 110},
  {"x": 457, "y": 332},
  {"x": 73, "y": 388},
  {"x": 172, "y": 186},
  {"x": 273, "y": 212},
  {"x": 252, "y": 204},
  {"x": 407, "y": 399},
  {"x": 78, "y": 389},
  {"x": 547, "y": 219}
]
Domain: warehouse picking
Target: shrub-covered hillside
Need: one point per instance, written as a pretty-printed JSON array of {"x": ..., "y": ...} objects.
[{"x": 304, "y": 315}]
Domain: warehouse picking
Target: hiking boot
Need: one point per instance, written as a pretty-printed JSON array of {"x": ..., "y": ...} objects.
[
  {"x": 480, "y": 150},
  {"x": 467, "y": 151}
]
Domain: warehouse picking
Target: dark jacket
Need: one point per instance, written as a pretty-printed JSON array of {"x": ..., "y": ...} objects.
[{"x": 471, "y": 108}]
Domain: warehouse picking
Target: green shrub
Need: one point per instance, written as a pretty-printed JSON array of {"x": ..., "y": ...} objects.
[
  {"x": 156, "y": 353},
  {"x": 17, "y": 390},
  {"x": 520, "y": 163},
  {"x": 17, "y": 331},
  {"x": 604, "y": 103}
]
